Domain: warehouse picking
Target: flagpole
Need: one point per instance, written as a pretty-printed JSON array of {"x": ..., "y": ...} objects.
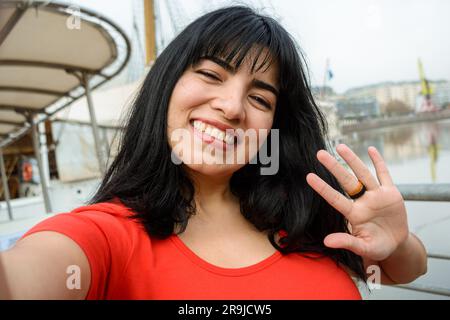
[{"x": 327, "y": 67}]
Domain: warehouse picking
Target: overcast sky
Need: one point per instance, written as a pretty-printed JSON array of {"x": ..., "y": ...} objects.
[{"x": 367, "y": 41}]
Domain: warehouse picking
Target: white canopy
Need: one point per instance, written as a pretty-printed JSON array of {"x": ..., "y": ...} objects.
[{"x": 47, "y": 51}]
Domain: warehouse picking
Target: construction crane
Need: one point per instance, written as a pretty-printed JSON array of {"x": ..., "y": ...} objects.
[{"x": 426, "y": 91}]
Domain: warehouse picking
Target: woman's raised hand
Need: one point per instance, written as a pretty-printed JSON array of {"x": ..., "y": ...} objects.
[{"x": 378, "y": 220}]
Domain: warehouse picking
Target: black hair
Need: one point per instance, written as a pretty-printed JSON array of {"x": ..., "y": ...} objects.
[{"x": 160, "y": 193}]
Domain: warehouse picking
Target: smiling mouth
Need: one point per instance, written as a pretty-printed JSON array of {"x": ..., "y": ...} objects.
[{"x": 214, "y": 132}]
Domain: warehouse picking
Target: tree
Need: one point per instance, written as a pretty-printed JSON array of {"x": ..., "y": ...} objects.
[{"x": 395, "y": 107}]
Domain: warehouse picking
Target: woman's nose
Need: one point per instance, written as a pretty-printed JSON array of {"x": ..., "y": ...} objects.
[{"x": 231, "y": 105}]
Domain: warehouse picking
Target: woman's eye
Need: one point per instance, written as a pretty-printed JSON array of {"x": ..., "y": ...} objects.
[
  {"x": 262, "y": 102},
  {"x": 209, "y": 75}
]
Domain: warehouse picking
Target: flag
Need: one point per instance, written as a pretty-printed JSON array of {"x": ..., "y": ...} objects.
[{"x": 330, "y": 74}]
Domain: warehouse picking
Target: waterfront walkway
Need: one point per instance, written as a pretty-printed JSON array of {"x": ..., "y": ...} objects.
[{"x": 393, "y": 121}]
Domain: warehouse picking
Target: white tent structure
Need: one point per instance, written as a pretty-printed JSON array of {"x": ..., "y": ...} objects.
[
  {"x": 50, "y": 56},
  {"x": 72, "y": 143}
]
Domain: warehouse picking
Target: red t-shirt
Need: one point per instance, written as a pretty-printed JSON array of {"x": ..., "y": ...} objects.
[{"x": 126, "y": 263}]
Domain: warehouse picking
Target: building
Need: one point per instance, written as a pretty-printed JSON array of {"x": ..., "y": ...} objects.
[
  {"x": 388, "y": 92},
  {"x": 357, "y": 108},
  {"x": 329, "y": 109},
  {"x": 441, "y": 97},
  {"x": 401, "y": 97}
]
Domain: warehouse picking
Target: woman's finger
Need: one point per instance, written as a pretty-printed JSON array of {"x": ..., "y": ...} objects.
[
  {"x": 380, "y": 166},
  {"x": 359, "y": 168},
  {"x": 346, "y": 241},
  {"x": 346, "y": 179},
  {"x": 333, "y": 197}
]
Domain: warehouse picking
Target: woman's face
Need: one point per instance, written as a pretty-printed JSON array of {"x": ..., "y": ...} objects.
[{"x": 219, "y": 117}]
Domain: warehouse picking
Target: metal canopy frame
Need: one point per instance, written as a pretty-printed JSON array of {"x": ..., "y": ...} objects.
[{"x": 87, "y": 79}]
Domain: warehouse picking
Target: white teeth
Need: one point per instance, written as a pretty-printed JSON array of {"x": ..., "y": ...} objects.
[
  {"x": 198, "y": 125},
  {"x": 229, "y": 139},
  {"x": 213, "y": 132}
]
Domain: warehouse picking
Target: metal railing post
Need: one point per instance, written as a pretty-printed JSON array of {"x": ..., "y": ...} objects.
[
  {"x": 94, "y": 124},
  {"x": 43, "y": 180},
  {"x": 5, "y": 184}
]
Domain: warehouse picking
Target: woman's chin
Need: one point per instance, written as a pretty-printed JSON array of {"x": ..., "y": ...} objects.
[{"x": 215, "y": 170}]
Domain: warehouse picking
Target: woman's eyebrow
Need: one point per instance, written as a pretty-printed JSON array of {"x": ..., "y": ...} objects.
[
  {"x": 265, "y": 86},
  {"x": 256, "y": 83},
  {"x": 221, "y": 63}
]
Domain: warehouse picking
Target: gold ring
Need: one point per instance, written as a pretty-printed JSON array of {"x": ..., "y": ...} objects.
[{"x": 358, "y": 191}]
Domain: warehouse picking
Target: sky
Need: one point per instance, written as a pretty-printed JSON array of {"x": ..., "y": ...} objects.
[{"x": 366, "y": 41}]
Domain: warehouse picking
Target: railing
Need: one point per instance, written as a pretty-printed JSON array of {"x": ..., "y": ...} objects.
[{"x": 426, "y": 192}]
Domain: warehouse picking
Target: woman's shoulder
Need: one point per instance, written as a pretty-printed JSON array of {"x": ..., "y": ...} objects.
[
  {"x": 103, "y": 214},
  {"x": 111, "y": 209},
  {"x": 107, "y": 223}
]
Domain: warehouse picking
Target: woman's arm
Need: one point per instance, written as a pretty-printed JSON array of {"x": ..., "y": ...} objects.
[
  {"x": 405, "y": 264},
  {"x": 44, "y": 265}
]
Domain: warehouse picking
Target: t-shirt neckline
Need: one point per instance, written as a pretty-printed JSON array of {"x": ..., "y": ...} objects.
[{"x": 221, "y": 270}]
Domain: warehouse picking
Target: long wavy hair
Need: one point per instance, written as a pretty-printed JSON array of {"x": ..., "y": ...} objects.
[{"x": 160, "y": 192}]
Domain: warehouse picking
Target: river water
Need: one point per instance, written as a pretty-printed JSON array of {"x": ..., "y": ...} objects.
[{"x": 416, "y": 153}]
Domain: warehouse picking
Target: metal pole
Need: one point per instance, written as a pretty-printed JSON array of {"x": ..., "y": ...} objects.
[
  {"x": 44, "y": 186},
  {"x": 423, "y": 288},
  {"x": 95, "y": 131},
  {"x": 5, "y": 184},
  {"x": 44, "y": 151},
  {"x": 438, "y": 256},
  {"x": 425, "y": 192}
]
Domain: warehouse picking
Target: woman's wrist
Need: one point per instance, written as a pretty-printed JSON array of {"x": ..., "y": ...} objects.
[
  {"x": 407, "y": 262},
  {"x": 405, "y": 246}
]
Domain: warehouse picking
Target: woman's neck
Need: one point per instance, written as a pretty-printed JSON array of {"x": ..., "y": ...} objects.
[
  {"x": 214, "y": 201},
  {"x": 211, "y": 189}
]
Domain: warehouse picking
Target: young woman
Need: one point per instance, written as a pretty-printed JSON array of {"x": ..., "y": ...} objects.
[{"x": 233, "y": 225}]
